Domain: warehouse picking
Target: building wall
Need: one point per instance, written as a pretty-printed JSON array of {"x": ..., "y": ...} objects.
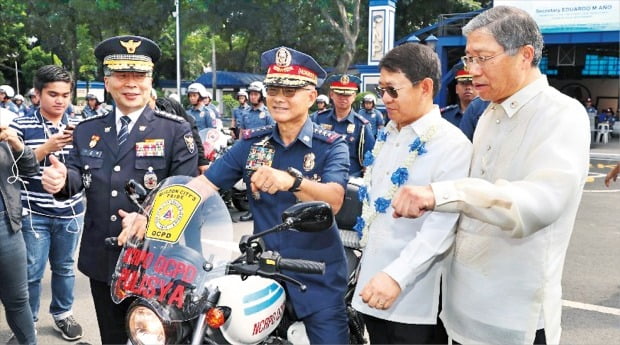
[{"x": 604, "y": 92}]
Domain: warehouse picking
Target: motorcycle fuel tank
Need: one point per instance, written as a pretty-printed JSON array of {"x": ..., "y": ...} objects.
[{"x": 256, "y": 304}]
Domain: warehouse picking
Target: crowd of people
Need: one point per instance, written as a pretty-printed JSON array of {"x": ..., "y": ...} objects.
[{"x": 467, "y": 210}]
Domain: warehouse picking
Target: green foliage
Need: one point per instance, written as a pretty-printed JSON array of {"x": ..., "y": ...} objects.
[
  {"x": 229, "y": 104},
  {"x": 68, "y": 30}
]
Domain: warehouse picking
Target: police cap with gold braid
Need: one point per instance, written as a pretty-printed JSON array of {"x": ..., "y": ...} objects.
[
  {"x": 344, "y": 84},
  {"x": 128, "y": 53},
  {"x": 288, "y": 67}
]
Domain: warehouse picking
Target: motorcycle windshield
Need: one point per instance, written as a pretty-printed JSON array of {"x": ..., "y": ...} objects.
[{"x": 188, "y": 242}]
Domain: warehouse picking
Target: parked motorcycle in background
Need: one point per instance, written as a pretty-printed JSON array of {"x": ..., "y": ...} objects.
[{"x": 216, "y": 142}]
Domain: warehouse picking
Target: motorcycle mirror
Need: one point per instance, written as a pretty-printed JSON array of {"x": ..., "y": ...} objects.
[{"x": 312, "y": 216}]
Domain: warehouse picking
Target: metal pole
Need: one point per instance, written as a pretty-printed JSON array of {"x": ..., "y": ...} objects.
[
  {"x": 213, "y": 69},
  {"x": 178, "y": 15},
  {"x": 17, "y": 77}
]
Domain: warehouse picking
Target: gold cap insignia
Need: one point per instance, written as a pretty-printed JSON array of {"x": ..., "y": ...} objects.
[
  {"x": 283, "y": 57},
  {"x": 344, "y": 79},
  {"x": 131, "y": 45}
]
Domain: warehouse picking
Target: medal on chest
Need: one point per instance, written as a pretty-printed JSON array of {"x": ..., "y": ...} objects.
[
  {"x": 86, "y": 177},
  {"x": 150, "y": 179},
  {"x": 261, "y": 154}
]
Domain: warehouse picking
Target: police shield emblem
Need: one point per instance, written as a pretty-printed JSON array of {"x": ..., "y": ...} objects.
[
  {"x": 309, "y": 161},
  {"x": 351, "y": 128},
  {"x": 344, "y": 79},
  {"x": 283, "y": 57}
]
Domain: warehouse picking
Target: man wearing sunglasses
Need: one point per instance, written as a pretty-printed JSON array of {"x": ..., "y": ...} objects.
[
  {"x": 399, "y": 282},
  {"x": 342, "y": 119},
  {"x": 294, "y": 160},
  {"x": 518, "y": 207}
]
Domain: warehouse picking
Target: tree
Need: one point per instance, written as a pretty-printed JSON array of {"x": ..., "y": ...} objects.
[{"x": 348, "y": 26}]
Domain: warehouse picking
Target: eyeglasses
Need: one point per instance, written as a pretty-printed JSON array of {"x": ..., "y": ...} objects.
[
  {"x": 392, "y": 91},
  {"x": 468, "y": 61},
  {"x": 287, "y": 91}
]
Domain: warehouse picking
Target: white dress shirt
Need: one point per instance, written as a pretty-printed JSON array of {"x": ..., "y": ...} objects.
[
  {"x": 134, "y": 115},
  {"x": 531, "y": 156},
  {"x": 412, "y": 251}
]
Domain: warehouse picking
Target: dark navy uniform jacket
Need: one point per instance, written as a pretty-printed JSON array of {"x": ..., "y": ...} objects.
[
  {"x": 319, "y": 155},
  {"x": 374, "y": 117},
  {"x": 452, "y": 113},
  {"x": 96, "y": 152},
  {"x": 355, "y": 130},
  {"x": 470, "y": 118}
]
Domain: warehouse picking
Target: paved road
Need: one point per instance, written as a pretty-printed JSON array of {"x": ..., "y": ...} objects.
[{"x": 591, "y": 275}]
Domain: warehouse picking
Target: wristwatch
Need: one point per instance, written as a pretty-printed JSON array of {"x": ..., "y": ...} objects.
[{"x": 298, "y": 177}]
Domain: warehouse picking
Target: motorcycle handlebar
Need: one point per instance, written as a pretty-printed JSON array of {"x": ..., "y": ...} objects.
[{"x": 302, "y": 266}]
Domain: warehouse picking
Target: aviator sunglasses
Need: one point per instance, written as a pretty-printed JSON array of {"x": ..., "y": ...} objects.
[
  {"x": 286, "y": 91},
  {"x": 392, "y": 91}
]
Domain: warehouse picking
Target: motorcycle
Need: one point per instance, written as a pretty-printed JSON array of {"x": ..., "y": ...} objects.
[{"x": 190, "y": 284}]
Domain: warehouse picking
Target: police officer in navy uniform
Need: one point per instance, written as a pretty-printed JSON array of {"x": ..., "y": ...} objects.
[
  {"x": 370, "y": 112},
  {"x": 242, "y": 98},
  {"x": 342, "y": 119},
  {"x": 204, "y": 117},
  {"x": 465, "y": 92},
  {"x": 322, "y": 105},
  {"x": 109, "y": 150},
  {"x": 258, "y": 115},
  {"x": 293, "y": 160}
]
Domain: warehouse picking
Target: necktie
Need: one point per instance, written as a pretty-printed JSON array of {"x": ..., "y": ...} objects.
[{"x": 124, "y": 132}]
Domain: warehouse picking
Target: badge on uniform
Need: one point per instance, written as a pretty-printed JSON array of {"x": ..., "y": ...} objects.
[
  {"x": 351, "y": 128},
  {"x": 309, "y": 161},
  {"x": 189, "y": 142},
  {"x": 326, "y": 126},
  {"x": 86, "y": 177},
  {"x": 261, "y": 115},
  {"x": 93, "y": 141},
  {"x": 150, "y": 179}
]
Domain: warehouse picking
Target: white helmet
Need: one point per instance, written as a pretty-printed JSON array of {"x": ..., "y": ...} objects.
[
  {"x": 323, "y": 98},
  {"x": 19, "y": 98},
  {"x": 175, "y": 97},
  {"x": 8, "y": 90},
  {"x": 242, "y": 93},
  {"x": 256, "y": 86},
  {"x": 199, "y": 89},
  {"x": 30, "y": 92},
  {"x": 370, "y": 98}
]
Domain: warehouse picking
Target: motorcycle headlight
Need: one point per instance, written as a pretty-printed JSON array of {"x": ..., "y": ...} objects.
[{"x": 145, "y": 327}]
